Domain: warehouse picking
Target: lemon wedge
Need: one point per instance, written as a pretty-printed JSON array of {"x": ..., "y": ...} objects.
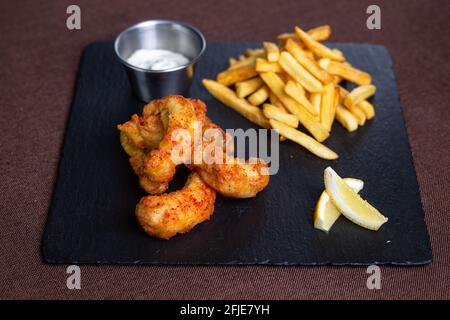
[
  {"x": 350, "y": 204},
  {"x": 326, "y": 213}
]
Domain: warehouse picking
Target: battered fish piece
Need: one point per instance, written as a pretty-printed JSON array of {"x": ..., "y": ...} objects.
[
  {"x": 176, "y": 113},
  {"x": 235, "y": 178},
  {"x": 141, "y": 133},
  {"x": 155, "y": 167},
  {"x": 166, "y": 215},
  {"x": 152, "y": 187},
  {"x": 238, "y": 179}
]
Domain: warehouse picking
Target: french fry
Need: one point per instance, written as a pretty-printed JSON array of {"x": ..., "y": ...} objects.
[
  {"x": 276, "y": 102},
  {"x": 320, "y": 33},
  {"x": 254, "y": 52},
  {"x": 367, "y": 108},
  {"x": 297, "y": 82},
  {"x": 272, "y": 51},
  {"x": 304, "y": 140},
  {"x": 318, "y": 48},
  {"x": 359, "y": 94},
  {"x": 244, "y": 88},
  {"x": 336, "y": 100},
  {"x": 349, "y": 73},
  {"x": 355, "y": 110},
  {"x": 299, "y": 87},
  {"x": 310, "y": 55},
  {"x": 246, "y": 62},
  {"x": 259, "y": 97},
  {"x": 282, "y": 38},
  {"x": 229, "y": 98},
  {"x": 285, "y": 77},
  {"x": 272, "y": 112},
  {"x": 346, "y": 118},
  {"x": 359, "y": 115},
  {"x": 232, "y": 76},
  {"x": 306, "y": 119},
  {"x": 327, "y": 104},
  {"x": 300, "y": 74},
  {"x": 262, "y": 65},
  {"x": 294, "y": 87},
  {"x": 315, "y": 99},
  {"x": 293, "y": 90},
  {"x": 337, "y": 95},
  {"x": 324, "y": 63},
  {"x": 336, "y": 79},
  {"x": 294, "y": 49},
  {"x": 338, "y": 52}
]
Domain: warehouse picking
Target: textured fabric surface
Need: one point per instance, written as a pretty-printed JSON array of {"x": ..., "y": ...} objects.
[{"x": 39, "y": 61}]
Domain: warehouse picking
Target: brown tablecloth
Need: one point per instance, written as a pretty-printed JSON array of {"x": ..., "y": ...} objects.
[{"x": 39, "y": 60}]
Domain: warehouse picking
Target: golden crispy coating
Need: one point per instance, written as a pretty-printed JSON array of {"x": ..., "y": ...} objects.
[
  {"x": 235, "y": 178},
  {"x": 177, "y": 113},
  {"x": 141, "y": 133},
  {"x": 166, "y": 215},
  {"x": 155, "y": 166},
  {"x": 238, "y": 179},
  {"x": 152, "y": 187}
]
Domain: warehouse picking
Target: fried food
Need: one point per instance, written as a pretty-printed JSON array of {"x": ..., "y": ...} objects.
[
  {"x": 327, "y": 106},
  {"x": 259, "y": 52},
  {"x": 276, "y": 102},
  {"x": 367, "y": 108},
  {"x": 247, "y": 87},
  {"x": 259, "y": 97},
  {"x": 155, "y": 168},
  {"x": 166, "y": 215},
  {"x": 229, "y": 98},
  {"x": 275, "y": 113},
  {"x": 304, "y": 140},
  {"x": 309, "y": 64},
  {"x": 236, "y": 179},
  {"x": 179, "y": 113},
  {"x": 348, "y": 72},
  {"x": 358, "y": 109},
  {"x": 236, "y": 74},
  {"x": 262, "y": 65},
  {"x": 346, "y": 118},
  {"x": 305, "y": 118},
  {"x": 316, "y": 101},
  {"x": 359, "y": 94},
  {"x": 297, "y": 93},
  {"x": 231, "y": 177},
  {"x": 318, "y": 48},
  {"x": 141, "y": 133},
  {"x": 272, "y": 51},
  {"x": 245, "y": 62},
  {"x": 300, "y": 74},
  {"x": 137, "y": 162},
  {"x": 302, "y": 78},
  {"x": 320, "y": 33}
]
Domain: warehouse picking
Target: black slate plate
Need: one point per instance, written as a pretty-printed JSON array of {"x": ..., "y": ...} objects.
[{"x": 91, "y": 219}]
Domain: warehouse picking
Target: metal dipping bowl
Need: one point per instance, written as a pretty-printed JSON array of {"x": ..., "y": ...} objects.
[{"x": 160, "y": 34}]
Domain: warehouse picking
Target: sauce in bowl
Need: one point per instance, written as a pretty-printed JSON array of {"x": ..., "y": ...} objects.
[{"x": 156, "y": 59}]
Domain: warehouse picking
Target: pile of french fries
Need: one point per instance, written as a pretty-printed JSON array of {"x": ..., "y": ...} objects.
[{"x": 296, "y": 82}]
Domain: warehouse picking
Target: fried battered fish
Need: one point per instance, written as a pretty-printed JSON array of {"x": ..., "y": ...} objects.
[
  {"x": 166, "y": 215},
  {"x": 155, "y": 167}
]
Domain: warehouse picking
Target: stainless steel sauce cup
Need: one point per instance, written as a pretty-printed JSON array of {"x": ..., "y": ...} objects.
[{"x": 160, "y": 34}]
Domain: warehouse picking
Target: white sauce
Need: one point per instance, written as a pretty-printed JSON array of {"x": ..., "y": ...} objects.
[{"x": 156, "y": 59}]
